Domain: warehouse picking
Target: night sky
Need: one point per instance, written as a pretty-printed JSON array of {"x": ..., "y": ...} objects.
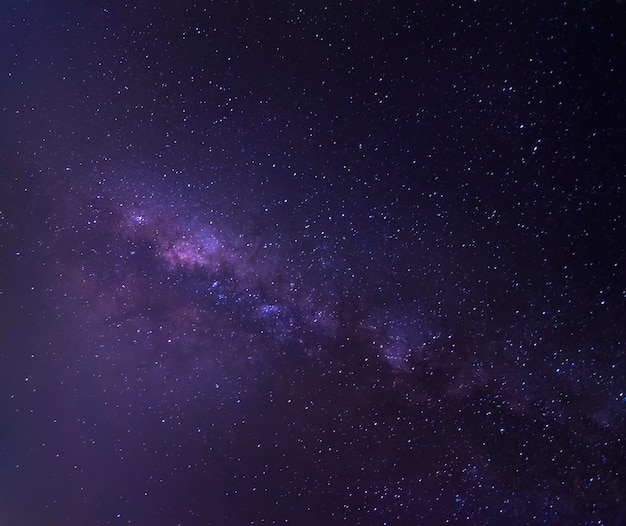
[{"x": 312, "y": 263}]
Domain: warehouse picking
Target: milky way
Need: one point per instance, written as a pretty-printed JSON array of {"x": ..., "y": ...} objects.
[{"x": 312, "y": 264}]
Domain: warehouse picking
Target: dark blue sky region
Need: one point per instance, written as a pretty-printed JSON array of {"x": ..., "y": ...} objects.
[{"x": 312, "y": 263}]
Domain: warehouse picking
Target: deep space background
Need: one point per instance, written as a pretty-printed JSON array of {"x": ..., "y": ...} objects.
[{"x": 317, "y": 262}]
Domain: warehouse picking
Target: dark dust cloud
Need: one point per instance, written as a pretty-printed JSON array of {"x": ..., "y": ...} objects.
[{"x": 312, "y": 263}]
